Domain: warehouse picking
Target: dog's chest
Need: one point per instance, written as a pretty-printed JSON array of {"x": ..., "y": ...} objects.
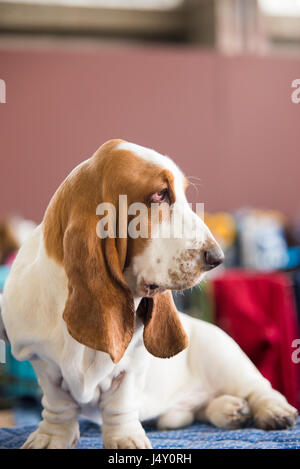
[{"x": 94, "y": 375}]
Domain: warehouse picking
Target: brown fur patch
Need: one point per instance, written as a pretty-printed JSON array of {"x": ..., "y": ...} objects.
[{"x": 8, "y": 243}]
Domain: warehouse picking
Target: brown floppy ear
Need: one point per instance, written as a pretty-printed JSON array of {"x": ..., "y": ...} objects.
[
  {"x": 8, "y": 243},
  {"x": 99, "y": 311},
  {"x": 164, "y": 335}
]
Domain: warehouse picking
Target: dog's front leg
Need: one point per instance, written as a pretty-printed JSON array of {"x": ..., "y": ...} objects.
[
  {"x": 121, "y": 427},
  {"x": 59, "y": 428}
]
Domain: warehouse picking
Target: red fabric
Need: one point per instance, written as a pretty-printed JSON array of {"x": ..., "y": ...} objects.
[
  {"x": 257, "y": 310},
  {"x": 11, "y": 258}
]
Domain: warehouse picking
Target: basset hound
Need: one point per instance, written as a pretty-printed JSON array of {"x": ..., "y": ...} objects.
[{"x": 95, "y": 316}]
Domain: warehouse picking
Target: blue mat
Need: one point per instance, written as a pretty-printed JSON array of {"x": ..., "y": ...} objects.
[{"x": 201, "y": 436}]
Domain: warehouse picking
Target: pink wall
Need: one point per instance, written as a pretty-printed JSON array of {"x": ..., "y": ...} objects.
[{"x": 228, "y": 121}]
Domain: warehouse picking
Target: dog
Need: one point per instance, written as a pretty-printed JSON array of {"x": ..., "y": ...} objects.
[{"x": 94, "y": 313}]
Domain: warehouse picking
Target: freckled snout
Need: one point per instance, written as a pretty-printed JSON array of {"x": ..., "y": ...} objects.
[{"x": 213, "y": 256}]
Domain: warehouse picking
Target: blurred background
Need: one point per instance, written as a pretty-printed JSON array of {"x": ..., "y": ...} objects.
[{"x": 208, "y": 82}]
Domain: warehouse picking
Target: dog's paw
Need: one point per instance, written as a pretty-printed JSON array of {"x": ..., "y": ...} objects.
[
  {"x": 124, "y": 437},
  {"x": 275, "y": 415},
  {"x": 228, "y": 412},
  {"x": 61, "y": 439}
]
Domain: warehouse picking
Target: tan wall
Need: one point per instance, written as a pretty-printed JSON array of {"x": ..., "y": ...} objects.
[{"x": 228, "y": 121}]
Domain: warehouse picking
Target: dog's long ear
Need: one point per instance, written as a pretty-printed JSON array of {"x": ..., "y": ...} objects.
[
  {"x": 99, "y": 311},
  {"x": 164, "y": 335}
]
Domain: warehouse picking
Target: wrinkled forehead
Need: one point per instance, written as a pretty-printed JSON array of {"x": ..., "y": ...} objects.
[{"x": 160, "y": 161}]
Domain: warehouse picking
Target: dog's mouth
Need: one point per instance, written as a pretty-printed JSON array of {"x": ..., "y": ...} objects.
[
  {"x": 151, "y": 289},
  {"x": 148, "y": 289}
]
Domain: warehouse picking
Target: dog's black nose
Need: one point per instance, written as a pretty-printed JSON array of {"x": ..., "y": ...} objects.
[{"x": 213, "y": 257}]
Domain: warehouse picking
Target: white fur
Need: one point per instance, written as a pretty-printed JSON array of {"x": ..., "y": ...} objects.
[{"x": 78, "y": 380}]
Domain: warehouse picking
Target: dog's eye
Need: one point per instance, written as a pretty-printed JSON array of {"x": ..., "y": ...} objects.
[{"x": 162, "y": 196}]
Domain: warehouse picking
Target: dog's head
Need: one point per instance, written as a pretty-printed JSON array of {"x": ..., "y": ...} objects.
[{"x": 121, "y": 227}]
